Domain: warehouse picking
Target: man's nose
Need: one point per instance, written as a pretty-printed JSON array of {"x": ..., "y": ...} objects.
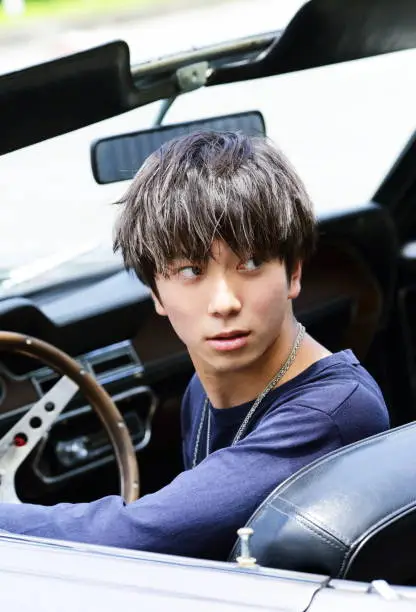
[{"x": 223, "y": 299}]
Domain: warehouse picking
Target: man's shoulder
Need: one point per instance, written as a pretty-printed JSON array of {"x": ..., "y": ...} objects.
[
  {"x": 342, "y": 389},
  {"x": 334, "y": 380}
]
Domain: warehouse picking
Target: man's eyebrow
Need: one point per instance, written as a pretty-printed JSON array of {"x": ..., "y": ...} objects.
[{"x": 186, "y": 260}]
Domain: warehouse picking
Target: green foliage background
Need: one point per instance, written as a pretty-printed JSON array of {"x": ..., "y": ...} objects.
[{"x": 44, "y": 9}]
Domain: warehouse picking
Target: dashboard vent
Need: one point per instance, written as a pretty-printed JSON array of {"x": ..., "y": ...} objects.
[
  {"x": 112, "y": 360},
  {"x": 106, "y": 364}
]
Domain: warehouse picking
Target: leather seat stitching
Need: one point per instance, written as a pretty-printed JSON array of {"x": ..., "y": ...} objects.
[
  {"x": 344, "y": 563},
  {"x": 311, "y": 527},
  {"x": 316, "y": 521}
]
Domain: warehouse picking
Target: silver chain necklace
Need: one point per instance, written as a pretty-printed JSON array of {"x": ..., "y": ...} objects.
[{"x": 276, "y": 378}]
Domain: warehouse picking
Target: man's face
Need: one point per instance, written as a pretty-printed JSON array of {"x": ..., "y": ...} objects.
[{"x": 229, "y": 312}]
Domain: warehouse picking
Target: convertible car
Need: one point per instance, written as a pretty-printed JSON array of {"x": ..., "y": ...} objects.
[{"x": 91, "y": 379}]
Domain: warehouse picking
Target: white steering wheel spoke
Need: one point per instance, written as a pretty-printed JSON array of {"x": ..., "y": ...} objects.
[{"x": 21, "y": 439}]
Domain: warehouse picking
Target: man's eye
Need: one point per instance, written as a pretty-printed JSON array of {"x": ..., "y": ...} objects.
[
  {"x": 250, "y": 264},
  {"x": 189, "y": 272}
]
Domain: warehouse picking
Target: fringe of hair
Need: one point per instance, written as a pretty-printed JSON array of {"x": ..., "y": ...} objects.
[{"x": 213, "y": 185}]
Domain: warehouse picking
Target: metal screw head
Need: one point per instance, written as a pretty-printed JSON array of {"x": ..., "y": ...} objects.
[{"x": 245, "y": 532}]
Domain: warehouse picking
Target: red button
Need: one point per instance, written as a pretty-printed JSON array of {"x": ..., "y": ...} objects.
[{"x": 20, "y": 439}]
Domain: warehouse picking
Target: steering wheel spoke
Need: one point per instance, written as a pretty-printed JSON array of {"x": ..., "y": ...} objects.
[
  {"x": 16, "y": 445},
  {"x": 21, "y": 439}
]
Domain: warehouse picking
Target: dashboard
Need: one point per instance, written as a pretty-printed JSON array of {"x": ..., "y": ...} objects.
[{"x": 134, "y": 352}]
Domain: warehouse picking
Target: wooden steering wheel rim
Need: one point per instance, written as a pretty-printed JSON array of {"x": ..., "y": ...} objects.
[{"x": 98, "y": 398}]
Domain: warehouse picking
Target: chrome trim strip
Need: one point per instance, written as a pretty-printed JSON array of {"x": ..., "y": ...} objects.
[
  {"x": 247, "y": 44},
  {"x": 98, "y": 356}
]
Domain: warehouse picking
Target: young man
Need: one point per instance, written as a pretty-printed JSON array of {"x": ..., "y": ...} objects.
[{"x": 218, "y": 225}]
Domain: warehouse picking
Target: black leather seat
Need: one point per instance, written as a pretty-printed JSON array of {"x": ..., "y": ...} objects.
[{"x": 351, "y": 514}]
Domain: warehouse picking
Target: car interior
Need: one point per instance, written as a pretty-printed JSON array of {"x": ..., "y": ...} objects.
[{"x": 351, "y": 514}]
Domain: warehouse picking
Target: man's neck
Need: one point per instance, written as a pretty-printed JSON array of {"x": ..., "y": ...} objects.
[{"x": 232, "y": 388}]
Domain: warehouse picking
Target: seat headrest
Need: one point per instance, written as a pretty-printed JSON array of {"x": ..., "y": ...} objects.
[{"x": 350, "y": 514}]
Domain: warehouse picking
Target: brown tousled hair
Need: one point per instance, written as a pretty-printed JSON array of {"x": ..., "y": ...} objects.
[{"x": 213, "y": 185}]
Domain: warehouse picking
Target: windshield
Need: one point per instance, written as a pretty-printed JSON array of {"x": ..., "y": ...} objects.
[
  {"x": 342, "y": 126},
  {"x": 158, "y": 28}
]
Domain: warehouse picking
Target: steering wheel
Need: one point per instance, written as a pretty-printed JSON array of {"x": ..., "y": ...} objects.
[{"x": 20, "y": 440}]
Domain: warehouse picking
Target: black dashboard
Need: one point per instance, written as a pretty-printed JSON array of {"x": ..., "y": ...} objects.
[
  {"x": 113, "y": 331},
  {"x": 83, "y": 320}
]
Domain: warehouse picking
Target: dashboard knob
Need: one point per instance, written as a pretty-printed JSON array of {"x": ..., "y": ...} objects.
[{"x": 71, "y": 452}]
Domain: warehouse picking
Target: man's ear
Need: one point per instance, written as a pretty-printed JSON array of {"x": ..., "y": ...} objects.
[
  {"x": 295, "y": 281},
  {"x": 158, "y": 305}
]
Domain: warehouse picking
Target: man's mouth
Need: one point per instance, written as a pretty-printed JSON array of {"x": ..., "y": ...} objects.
[{"x": 229, "y": 341}]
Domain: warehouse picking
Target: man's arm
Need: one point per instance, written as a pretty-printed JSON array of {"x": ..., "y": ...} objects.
[{"x": 199, "y": 512}]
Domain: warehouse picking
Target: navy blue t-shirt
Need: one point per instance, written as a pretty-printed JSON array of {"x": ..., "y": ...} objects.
[{"x": 332, "y": 403}]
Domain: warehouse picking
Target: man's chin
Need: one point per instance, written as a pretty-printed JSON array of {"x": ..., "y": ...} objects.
[{"x": 230, "y": 363}]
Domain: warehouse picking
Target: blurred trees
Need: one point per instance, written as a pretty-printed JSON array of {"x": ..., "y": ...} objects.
[{"x": 13, "y": 7}]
